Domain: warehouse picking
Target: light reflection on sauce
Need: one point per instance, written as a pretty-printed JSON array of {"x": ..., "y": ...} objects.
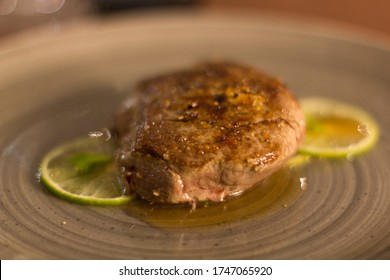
[{"x": 272, "y": 195}]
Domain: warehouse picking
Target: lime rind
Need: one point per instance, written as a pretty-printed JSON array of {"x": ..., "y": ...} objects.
[
  {"x": 87, "y": 193},
  {"x": 298, "y": 160},
  {"x": 329, "y": 107}
]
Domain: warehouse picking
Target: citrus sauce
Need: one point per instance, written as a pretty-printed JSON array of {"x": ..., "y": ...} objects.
[
  {"x": 334, "y": 131},
  {"x": 272, "y": 195}
]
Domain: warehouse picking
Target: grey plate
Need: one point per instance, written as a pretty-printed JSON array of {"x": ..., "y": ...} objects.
[{"x": 56, "y": 87}]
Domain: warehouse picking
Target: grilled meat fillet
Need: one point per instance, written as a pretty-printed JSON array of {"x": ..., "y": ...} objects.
[{"x": 206, "y": 133}]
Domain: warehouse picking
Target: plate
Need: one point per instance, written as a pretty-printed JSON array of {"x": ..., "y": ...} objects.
[{"x": 59, "y": 86}]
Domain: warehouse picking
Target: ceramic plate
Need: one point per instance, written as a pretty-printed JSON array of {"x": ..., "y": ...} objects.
[{"x": 59, "y": 86}]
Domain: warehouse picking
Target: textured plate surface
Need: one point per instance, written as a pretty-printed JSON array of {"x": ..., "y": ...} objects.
[{"x": 58, "y": 87}]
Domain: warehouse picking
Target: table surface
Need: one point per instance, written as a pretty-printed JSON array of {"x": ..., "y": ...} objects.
[{"x": 372, "y": 16}]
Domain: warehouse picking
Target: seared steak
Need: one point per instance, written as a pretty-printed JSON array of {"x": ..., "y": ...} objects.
[{"x": 206, "y": 133}]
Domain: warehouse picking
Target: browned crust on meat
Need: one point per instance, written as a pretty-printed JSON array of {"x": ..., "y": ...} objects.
[{"x": 219, "y": 114}]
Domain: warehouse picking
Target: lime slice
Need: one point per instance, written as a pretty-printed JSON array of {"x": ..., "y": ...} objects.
[
  {"x": 298, "y": 160},
  {"x": 335, "y": 129},
  {"x": 84, "y": 171}
]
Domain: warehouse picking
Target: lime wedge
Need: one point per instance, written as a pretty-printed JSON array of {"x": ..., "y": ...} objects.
[
  {"x": 84, "y": 171},
  {"x": 335, "y": 129}
]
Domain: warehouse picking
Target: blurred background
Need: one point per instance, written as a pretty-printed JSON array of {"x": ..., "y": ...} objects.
[{"x": 370, "y": 15}]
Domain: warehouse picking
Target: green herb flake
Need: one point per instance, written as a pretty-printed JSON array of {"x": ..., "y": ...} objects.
[
  {"x": 87, "y": 162},
  {"x": 313, "y": 125}
]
